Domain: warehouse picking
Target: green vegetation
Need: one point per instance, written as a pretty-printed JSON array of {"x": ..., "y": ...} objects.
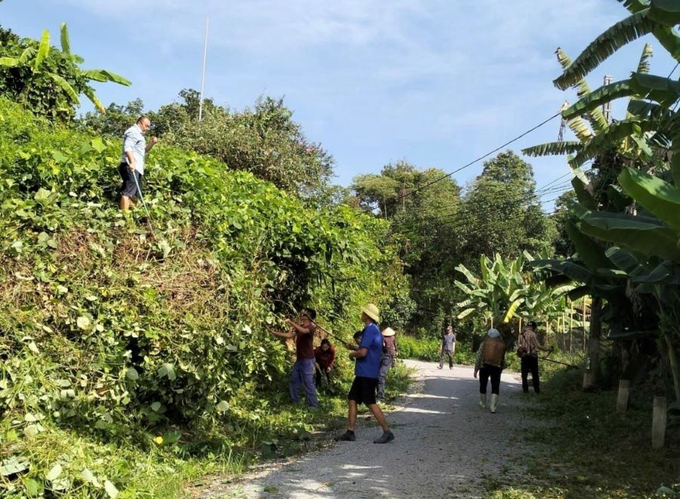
[
  {"x": 441, "y": 227},
  {"x": 150, "y": 333},
  {"x": 46, "y": 80},
  {"x": 560, "y": 458}
]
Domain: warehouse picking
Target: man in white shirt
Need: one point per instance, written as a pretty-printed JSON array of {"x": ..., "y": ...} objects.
[{"x": 131, "y": 167}]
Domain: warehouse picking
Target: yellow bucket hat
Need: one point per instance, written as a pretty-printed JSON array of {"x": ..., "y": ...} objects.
[{"x": 372, "y": 311}]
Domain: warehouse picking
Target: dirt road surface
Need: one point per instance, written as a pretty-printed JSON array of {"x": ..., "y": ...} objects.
[{"x": 445, "y": 446}]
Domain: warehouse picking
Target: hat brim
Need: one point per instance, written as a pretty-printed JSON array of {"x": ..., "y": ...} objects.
[{"x": 371, "y": 314}]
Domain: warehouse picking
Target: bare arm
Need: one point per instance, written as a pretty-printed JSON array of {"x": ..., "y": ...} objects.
[
  {"x": 359, "y": 354},
  {"x": 151, "y": 143},
  {"x": 290, "y": 334},
  {"x": 300, "y": 329}
]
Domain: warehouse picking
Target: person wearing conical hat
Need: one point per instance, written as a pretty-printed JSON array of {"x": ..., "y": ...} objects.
[
  {"x": 388, "y": 358},
  {"x": 366, "y": 371}
]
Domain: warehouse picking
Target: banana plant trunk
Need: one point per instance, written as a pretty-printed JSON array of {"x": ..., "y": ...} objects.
[
  {"x": 673, "y": 360},
  {"x": 593, "y": 360}
]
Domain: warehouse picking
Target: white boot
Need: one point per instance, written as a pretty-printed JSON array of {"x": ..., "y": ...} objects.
[
  {"x": 482, "y": 400},
  {"x": 494, "y": 402}
]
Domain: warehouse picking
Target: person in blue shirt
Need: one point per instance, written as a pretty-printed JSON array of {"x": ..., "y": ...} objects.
[{"x": 368, "y": 355}]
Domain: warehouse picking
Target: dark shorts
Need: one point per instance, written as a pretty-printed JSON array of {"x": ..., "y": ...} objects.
[
  {"x": 363, "y": 390},
  {"x": 129, "y": 187}
]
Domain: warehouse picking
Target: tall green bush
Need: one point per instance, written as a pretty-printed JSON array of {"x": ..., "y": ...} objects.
[{"x": 113, "y": 324}]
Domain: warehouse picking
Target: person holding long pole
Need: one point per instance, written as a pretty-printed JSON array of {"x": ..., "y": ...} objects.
[
  {"x": 367, "y": 355},
  {"x": 131, "y": 167}
]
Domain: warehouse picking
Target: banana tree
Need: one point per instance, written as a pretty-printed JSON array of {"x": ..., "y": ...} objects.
[
  {"x": 650, "y": 235},
  {"x": 47, "y": 79},
  {"x": 505, "y": 292}
]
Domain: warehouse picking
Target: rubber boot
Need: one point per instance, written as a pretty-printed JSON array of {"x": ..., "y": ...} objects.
[
  {"x": 494, "y": 402},
  {"x": 482, "y": 400}
]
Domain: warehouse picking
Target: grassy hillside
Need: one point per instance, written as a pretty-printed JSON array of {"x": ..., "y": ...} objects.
[{"x": 135, "y": 346}]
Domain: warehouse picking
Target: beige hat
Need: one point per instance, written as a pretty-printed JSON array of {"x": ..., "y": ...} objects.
[
  {"x": 372, "y": 311},
  {"x": 388, "y": 332}
]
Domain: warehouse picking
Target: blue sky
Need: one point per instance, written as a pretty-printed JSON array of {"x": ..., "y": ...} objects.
[{"x": 436, "y": 83}]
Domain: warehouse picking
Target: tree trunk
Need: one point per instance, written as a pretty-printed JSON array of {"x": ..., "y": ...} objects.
[
  {"x": 659, "y": 416},
  {"x": 673, "y": 359},
  {"x": 593, "y": 359},
  {"x": 623, "y": 396}
]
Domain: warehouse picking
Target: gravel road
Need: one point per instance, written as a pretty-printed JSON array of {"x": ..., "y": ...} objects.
[{"x": 445, "y": 446}]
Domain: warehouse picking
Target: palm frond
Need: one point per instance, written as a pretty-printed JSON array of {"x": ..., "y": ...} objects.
[
  {"x": 634, "y": 6},
  {"x": 43, "y": 50},
  {"x": 26, "y": 55},
  {"x": 465, "y": 313},
  {"x": 554, "y": 148},
  {"x": 66, "y": 86},
  {"x": 89, "y": 92},
  {"x": 620, "y": 34},
  {"x": 645, "y": 58},
  {"x": 115, "y": 78},
  {"x": 580, "y": 128},
  {"x": 597, "y": 120},
  {"x": 65, "y": 42},
  {"x": 604, "y": 141},
  {"x": 595, "y": 99},
  {"x": 9, "y": 62}
]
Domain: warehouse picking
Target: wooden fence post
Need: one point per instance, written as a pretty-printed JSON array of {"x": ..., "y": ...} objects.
[
  {"x": 624, "y": 394},
  {"x": 659, "y": 422}
]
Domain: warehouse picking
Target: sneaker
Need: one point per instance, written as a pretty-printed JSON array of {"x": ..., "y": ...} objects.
[
  {"x": 348, "y": 436},
  {"x": 387, "y": 436},
  {"x": 440, "y": 367}
]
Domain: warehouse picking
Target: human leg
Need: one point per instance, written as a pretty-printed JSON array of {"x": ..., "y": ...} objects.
[
  {"x": 450, "y": 356},
  {"x": 441, "y": 359},
  {"x": 483, "y": 380},
  {"x": 525, "y": 373},
  {"x": 295, "y": 382},
  {"x": 495, "y": 375},
  {"x": 379, "y": 416},
  {"x": 534, "y": 375},
  {"x": 128, "y": 188},
  {"x": 308, "y": 382},
  {"x": 385, "y": 364}
]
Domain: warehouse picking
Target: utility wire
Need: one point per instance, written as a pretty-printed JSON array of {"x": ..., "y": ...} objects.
[{"x": 448, "y": 175}]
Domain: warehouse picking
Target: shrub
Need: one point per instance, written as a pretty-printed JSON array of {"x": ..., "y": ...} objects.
[{"x": 114, "y": 326}]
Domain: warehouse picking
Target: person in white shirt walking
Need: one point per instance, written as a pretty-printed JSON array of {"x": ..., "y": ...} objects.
[{"x": 131, "y": 167}]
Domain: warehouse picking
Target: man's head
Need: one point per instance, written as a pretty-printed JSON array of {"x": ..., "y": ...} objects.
[
  {"x": 370, "y": 313},
  {"x": 308, "y": 314},
  {"x": 325, "y": 344},
  {"x": 144, "y": 123},
  {"x": 449, "y": 329},
  {"x": 532, "y": 325}
]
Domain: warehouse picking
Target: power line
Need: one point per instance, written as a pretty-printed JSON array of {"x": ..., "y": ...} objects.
[{"x": 448, "y": 175}]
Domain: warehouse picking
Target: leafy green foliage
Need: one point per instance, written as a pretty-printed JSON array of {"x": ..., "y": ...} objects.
[
  {"x": 115, "y": 331},
  {"x": 506, "y": 291},
  {"x": 46, "y": 80},
  {"x": 501, "y": 212}
]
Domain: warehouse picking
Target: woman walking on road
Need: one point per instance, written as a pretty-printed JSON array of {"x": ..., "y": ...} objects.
[{"x": 489, "y": 363}]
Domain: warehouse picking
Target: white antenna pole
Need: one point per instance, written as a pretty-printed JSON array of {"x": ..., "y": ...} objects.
[{"x": 205, "y": 58}]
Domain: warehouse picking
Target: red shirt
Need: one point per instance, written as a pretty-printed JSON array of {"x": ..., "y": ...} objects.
[
  {"x": 326, "y": 358},
  {"x": 304, "y": 344}
]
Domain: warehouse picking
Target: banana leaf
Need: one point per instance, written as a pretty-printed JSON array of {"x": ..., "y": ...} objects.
[
  {"x": 657, "y": 196},
  {"x": 646, "y": 235}
]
